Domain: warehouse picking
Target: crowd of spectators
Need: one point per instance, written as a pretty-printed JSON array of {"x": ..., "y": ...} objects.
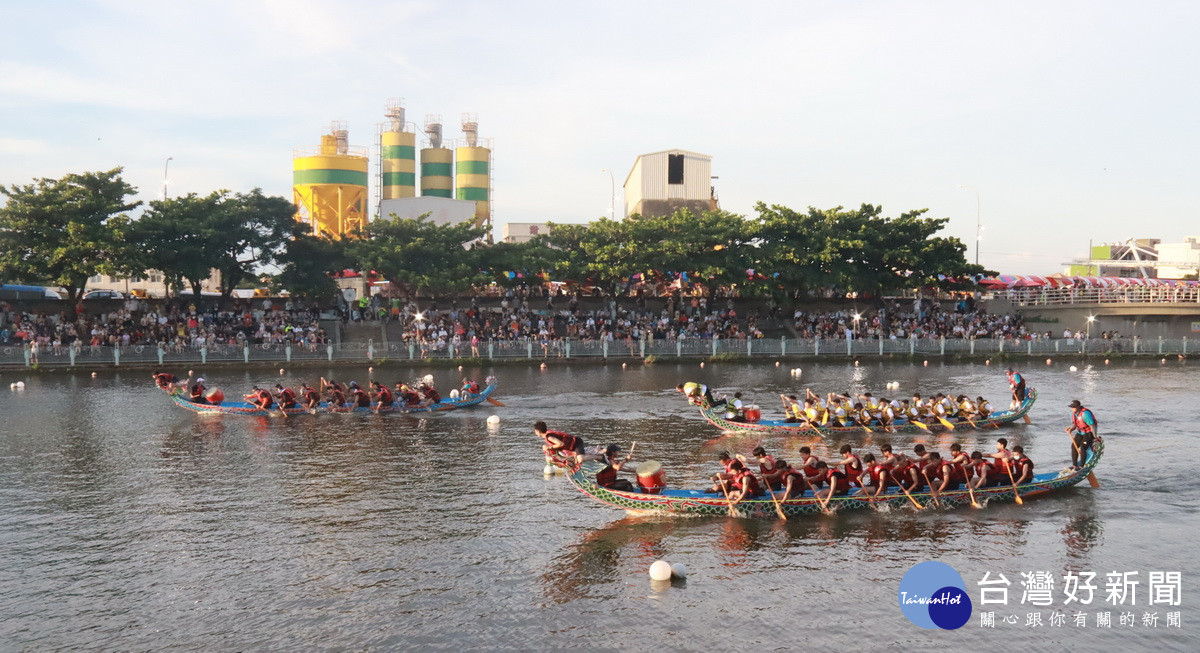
[
  {"x": 925, "y": 319},
  {"x": 174, "y": 325}
]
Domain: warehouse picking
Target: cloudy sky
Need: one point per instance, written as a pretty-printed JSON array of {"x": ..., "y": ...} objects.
[{"x": 1074, "y": 121}]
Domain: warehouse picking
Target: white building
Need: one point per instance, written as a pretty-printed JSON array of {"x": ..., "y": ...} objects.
[
  {"x": 441, "y": 210},
  {"x": 661, "y": 183},
  {"x": 1179, "y": 260},
  {"x": 1140, "y": 257},
  {"x": 523, "y": 232}
]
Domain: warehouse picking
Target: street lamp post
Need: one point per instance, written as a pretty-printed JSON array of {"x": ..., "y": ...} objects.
[
  {"x": 166, "y": 166},
  {"x": 612, "y": 194},
  {"x": 978, "y": 226}
]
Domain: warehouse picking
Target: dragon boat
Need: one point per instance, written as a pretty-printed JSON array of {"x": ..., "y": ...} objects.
[
  {"x": 245, "y": 408},
  {"x": 695, "y": 502},
  {"x": 717, "y": 418}
]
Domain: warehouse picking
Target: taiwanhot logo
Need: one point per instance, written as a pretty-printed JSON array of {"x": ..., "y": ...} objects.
[{"x": 933, "y": 595}]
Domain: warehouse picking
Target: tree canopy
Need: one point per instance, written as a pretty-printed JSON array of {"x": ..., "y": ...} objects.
[
  {"x": 419, "y": 255},
  {"x": 63, "y": 231}
]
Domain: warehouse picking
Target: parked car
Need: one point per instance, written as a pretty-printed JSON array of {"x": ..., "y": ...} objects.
[{"x": 104, "y": 294}]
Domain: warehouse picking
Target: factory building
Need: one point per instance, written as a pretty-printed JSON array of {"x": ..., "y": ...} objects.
[{"x": 661, "y": 183}]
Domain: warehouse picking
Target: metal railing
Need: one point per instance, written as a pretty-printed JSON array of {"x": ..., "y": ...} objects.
[
  {"x": 104, "y": 356},
  {"x": 1126, "y": 295}
]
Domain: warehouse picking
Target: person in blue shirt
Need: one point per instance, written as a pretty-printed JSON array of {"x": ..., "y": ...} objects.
[
  {"x": 1018, "y": 388},
  {"x": 1083, "y": 431}
]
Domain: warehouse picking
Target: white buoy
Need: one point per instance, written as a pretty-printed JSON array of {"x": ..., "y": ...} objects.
[
  {"x": 12, "y": 386},
  {"x": 281, "y": 371},
  {"x": 428, "y": 378},
  {"x": 1106, "y": 361},
  {"x": 1074, "y": 369},
  {"x": 660, "y": 570},
  {"x": 543, "y": 366},
  {"x": 987, "y": 362},
  {"x": 189, "y": 372},
  {"x": 460, "y": 368},
  {"x": 776, "y": 363},
  {"x": 926, "y": 363},
  {"x": 1163, "y": 361},
  {"x": 1049, "y": 361},
  {"x": 701, "y": 363},
  {"x": 454, "y": 394},
  {"x": 21, "y": 384},
  {"x": 679, "y": 571},
  {"x": 493, "y": 420},
  {"x": 623, "y": 365},
  {"x": 369, "y": 370},
  {"x": 549, "y": 470},
  {"x": 94, "y": 375},
  {"x": 856, "y": 363}
]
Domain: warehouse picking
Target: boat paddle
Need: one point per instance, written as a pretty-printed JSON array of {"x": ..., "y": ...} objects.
[
  {"x": 932, "y": 492},
  {"x": 778, "y": 508},
  {"x": 732, "y": 512},
  {"x": 945, "y": 422},
  {"x": 971, "y": 491},
  {"x": 900, "y": 483},
  {"x": 1091, "y": 477},
  {"x": 825, "y": 504},
  {"x": 1016, "y": 496},
  {"x": 919, "y": 424},
  {"x": 495, "y": 402}
]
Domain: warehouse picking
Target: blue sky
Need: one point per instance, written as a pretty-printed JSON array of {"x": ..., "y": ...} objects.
[{"x": 1075, "y": 121}]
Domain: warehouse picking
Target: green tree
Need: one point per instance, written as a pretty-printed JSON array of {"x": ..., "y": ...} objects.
[
  {"x": 418, "y": 254},
  {"x": 65, "y": 230},
  {"x": 251, "y": 230},
  {"x": 173, "y": 239},
  {"x": 306, "y": 265}
]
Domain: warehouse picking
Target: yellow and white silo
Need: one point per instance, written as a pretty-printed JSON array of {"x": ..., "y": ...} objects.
[
  {"x": 473, "y": 171},
  {"x": 397, "y": 155},
  {"x": 329, "y": 185},
  {"x": 437, "y": 162}
]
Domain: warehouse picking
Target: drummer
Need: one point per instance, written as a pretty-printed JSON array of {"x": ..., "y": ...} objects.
[
  {"x": 607, "y": 477},
  {"x": 197, "y": 392}
]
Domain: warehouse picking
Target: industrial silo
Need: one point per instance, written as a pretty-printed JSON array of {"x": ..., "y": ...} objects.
[
  {"x": 397, "y": 155},
  {"x": 329, "y": 184},
  {"x": 473, "y": 171},
  {"x": 436, "y": 162}
]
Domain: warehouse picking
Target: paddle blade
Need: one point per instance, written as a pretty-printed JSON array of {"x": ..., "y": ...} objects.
[
  {"x": 926, "y": 428},
  {"x": 946, "y": 423},
  {"x": 1092, "y": 480},
  {"x": 494, "y": 402}
]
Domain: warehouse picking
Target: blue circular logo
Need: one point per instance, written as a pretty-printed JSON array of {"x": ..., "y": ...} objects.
[{"x": 933, "y": 595}]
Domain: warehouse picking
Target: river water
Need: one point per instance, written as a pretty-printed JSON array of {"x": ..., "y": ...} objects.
[{"x": 129, "y": 524}]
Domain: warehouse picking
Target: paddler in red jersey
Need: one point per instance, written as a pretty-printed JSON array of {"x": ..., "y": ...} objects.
[
  {"x": 165, "y": 380},
  {"x": 287, "y": 398},
  {"x": 852, "y": 465},
  {"x": 877, "y": 473},
  {"x": 197, "y": 392},
  {"x": 808, "y": 465},
  {"x": 312, "y": 398},
  {"x": 727, "y": 462},
  {"x": 336, "y": 395},
  {"x": 791, "y": 479},
  {"x": 981, "y": 473},
  {"x": 431, "y": 396},
  {"x": 358, "y": 397},
  {"x": 261, "y": 398},
  {"x": 562, "y": 446},
  {"x": 771, "y": 475},
  {"x": 743, "y": 485},
  {"x": 607, "y": 477},
  {"x": 1022, "y": 466},
  {"x": 839, "y": 485},
  {"x": 382, "y": 396}
]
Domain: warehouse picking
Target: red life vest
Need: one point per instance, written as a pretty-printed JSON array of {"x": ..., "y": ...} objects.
[
  {"x": 809, "y": 466},
  {"x": 361, "y": 398},
  {"x": 385, "y": 396},
  {"x": 568, "y": 441},
  {"x": 728, "y": 466},
  {"x": 607, "y": 476},
  {"x": 746, "y": 480},
  {"x": 762, "y": 467},
  {"x": 286, "y": 396},
  {"x": 1080, "y": 424},
  {"x": 875, "y": 472},
  {"x": 852, "y": 470},
  {"x": 339, "y": 398},
  {"x": 198, "y": 392},
  {"x": 311, "y": 395},
  {"x": 837, "y": 480},
  {"x": 264, "y": 399}
]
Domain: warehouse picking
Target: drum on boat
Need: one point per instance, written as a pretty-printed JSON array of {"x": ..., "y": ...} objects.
[
  {"x": 753, "y": 413},
  {"x": 651, "y": 477},
  {"x": 215, "y": 396}
]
